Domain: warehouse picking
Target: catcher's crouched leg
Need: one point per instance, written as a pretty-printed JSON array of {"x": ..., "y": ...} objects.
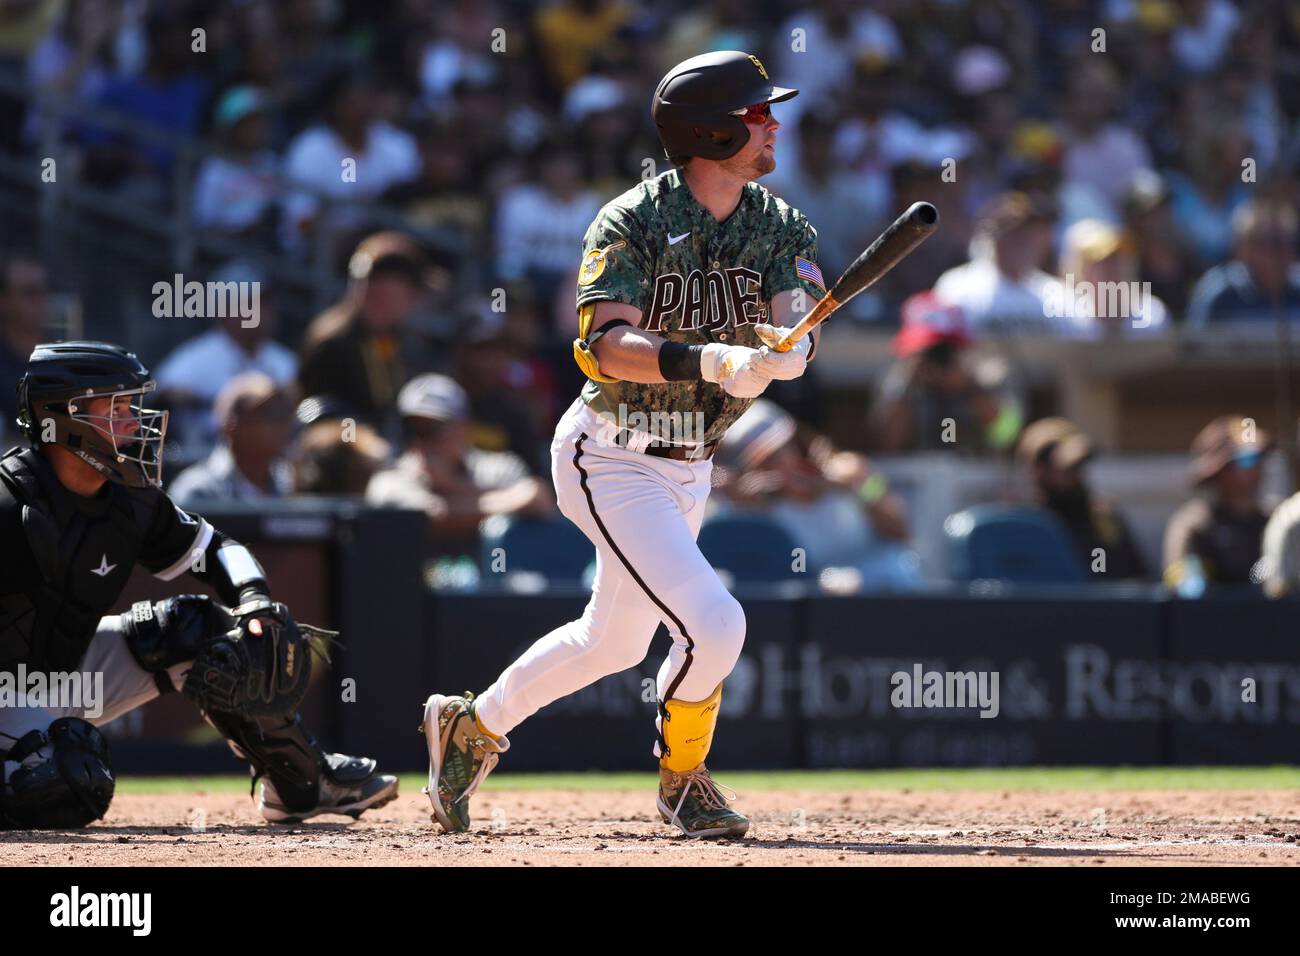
[
  {"x": 64, "y": 778},
  {"x": 249, "y": 687}
]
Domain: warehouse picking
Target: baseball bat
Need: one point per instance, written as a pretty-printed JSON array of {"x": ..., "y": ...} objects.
[{"x": 906, "y": 232}]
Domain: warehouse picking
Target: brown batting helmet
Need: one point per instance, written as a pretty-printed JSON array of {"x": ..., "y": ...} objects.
[{"x": 704, "y": 96}]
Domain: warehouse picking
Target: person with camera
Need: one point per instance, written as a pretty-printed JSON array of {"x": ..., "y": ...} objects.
[{"x": 934, "y": 397}]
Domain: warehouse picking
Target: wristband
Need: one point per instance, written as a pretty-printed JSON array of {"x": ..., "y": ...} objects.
[
  {"x": 1005, "y": 428},
  {"x": 873, "y": 489},
  {"x": 679, "y": 362}
]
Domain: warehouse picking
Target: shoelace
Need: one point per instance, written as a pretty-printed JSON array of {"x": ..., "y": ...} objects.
[{"x": 710, "y": 792}]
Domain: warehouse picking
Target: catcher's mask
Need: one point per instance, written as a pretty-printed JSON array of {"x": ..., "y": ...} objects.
[{"x": 89, "y": 398}]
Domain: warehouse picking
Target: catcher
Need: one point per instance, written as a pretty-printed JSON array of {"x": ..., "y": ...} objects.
[
  {"x": 682, "y": 278},
  {"x": 79, "y": 508}
]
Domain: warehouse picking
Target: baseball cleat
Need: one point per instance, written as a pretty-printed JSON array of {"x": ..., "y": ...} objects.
[
  {"x": 338, "y": 794},
  {"x": 695, "y": 804},
  {"x": 461, "y": 756}
]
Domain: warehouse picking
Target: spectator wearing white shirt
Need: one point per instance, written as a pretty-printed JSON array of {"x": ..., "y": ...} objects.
[
  {"x": 235, "y": 189},
  {"x": 1002, "y": 287},
  {"x": 351, "y": 156},
  {"x": 1100, "y": 154},
  {"x": 456, "y": 52},
  {"x": 1102, "y": 297},
  {"x": 541, "y": 224},
  {"x": 196, "y": 371}
]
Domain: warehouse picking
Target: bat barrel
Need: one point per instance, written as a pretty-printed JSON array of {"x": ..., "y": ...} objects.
[
  {"x": 923, "y": 213},
  {"x": 904, "y": 234}
]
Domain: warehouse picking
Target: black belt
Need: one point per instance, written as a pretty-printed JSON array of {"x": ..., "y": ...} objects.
[{"x": 664, "y": 450}]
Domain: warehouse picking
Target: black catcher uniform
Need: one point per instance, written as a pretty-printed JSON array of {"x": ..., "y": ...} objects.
[{"x": 64, "y": 560}]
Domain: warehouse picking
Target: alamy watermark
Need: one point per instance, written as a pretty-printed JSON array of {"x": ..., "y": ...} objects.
[
  {"x": 921, "y": 688},
  {"x": 1073, "y": 299},
  {"x": 55, "y": 690},
  {"x": 75, "y": 908},
  {"x": 208, "y": 300},
  {"x": 636, "y": 429}
]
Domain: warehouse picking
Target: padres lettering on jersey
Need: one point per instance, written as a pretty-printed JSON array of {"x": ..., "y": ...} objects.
[{"x": 695, "y": 280}]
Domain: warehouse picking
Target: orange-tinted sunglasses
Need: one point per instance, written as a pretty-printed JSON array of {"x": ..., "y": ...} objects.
[{"x": 757, "y": 113}]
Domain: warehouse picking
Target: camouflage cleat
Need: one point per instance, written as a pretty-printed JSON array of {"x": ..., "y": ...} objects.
[
  {"x": 695, "y": 804},
  {"x": 461, "y": 755}
]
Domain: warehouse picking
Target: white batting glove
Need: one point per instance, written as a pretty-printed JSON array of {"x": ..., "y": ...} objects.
[
  {"x": 735, "y": 368},
  {"x": 782, "y": 365}
]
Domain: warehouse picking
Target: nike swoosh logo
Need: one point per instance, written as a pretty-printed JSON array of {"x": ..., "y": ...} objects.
[
  {"x": 104, "y": 568},
  {"x": 673, "y": 240}
]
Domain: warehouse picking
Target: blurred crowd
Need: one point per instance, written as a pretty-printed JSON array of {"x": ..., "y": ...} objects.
[
  {"x": 1111, "y": 139},
  {"x": 1072, "y": 147}
]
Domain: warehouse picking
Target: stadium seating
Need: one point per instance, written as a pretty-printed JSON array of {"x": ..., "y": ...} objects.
[
  {"x": 1019, "y": 545},
  {"x": 554, "y": 549},
  {"x": 749, "y": 548}
]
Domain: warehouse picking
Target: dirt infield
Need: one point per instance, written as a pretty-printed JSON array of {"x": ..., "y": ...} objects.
[{"x": 620, "y": 828}]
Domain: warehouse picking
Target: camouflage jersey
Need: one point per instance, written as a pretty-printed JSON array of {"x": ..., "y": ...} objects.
[{"x": 695, "y": 280}]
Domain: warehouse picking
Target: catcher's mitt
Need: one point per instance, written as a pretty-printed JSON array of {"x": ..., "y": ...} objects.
[{"x": 257, "y": 675}]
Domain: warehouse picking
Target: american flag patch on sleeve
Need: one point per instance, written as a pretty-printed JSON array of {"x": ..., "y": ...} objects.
[{"x": 808, "y": 270}]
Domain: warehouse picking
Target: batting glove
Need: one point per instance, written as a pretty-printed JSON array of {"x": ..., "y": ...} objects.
[
  {"x": 735, "y": 368},
  {"x": 782, "y": 365}
]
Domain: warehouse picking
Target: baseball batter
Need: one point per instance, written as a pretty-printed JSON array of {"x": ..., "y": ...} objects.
[{"x": 677, "y": 276}]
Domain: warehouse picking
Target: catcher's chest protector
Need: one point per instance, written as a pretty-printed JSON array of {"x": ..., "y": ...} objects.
[{"x": 65, "y": 564}]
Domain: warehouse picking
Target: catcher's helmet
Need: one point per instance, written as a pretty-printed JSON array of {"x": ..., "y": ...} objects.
[
  {"x": 124, "y": 446},
  {"x": 704, "y": 95}
]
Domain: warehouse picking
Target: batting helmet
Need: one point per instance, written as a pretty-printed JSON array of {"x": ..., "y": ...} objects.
[{"x": 706, "y": 95}]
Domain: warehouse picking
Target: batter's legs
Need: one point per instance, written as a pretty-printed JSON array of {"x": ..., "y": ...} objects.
[{"x": 643, "y": 515}]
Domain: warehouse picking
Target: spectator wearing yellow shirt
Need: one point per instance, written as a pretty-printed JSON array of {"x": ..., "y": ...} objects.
[{"x": 572, "y": 32}]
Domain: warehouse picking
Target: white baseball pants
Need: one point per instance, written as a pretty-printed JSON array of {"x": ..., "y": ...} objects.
[
  {"x": 643, "y": 515},
  {"x": 125, "y": 686}
]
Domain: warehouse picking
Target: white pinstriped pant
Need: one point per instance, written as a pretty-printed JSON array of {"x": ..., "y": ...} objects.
[{"x": 643, "y": 515}]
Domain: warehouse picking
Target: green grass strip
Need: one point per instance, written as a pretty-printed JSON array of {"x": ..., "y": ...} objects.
[{"x": 1012, "y": 778}]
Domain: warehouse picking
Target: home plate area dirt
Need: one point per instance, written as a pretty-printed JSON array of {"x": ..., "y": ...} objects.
[{"x": 621, "y": 828}]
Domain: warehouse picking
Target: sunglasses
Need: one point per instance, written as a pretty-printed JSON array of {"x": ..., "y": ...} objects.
[{"x": 757, "y": 113}]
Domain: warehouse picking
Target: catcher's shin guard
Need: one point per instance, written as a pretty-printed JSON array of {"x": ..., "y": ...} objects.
[
  {"x": 64, "y": 778},
  {"x": 303, "y": 779},
  {"x": 686, "y": 731}
]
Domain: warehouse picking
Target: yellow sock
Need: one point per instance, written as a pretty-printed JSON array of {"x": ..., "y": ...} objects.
[{"x": 688, "y": 731}]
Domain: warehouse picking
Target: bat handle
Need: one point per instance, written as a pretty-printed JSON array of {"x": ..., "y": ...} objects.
[{"x": 776, "y": 342}]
